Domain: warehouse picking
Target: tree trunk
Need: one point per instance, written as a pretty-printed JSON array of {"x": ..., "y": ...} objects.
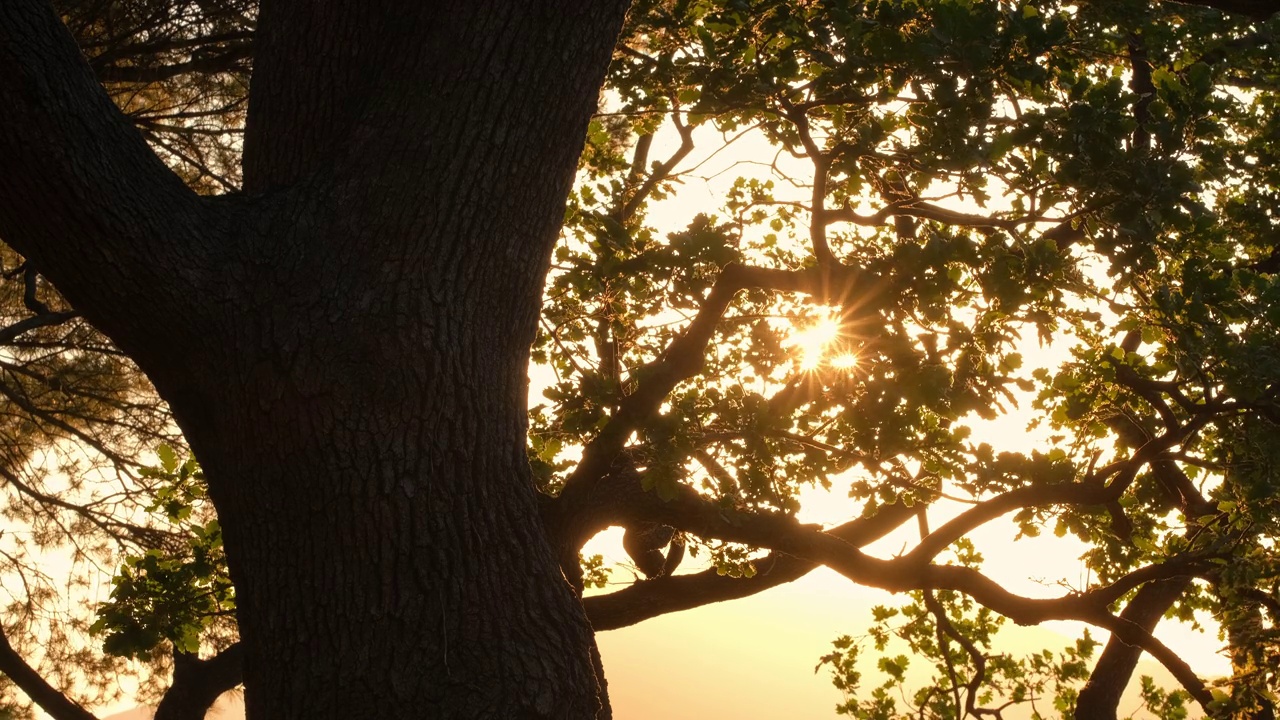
[
  {"x": 346, "y": 349},
  {"x": 383, "y": 536}
]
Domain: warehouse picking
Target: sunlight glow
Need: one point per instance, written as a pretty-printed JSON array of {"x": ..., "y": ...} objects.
[
  {"x": 812, "y": 341},
  {"x": 847, "y": 361}
]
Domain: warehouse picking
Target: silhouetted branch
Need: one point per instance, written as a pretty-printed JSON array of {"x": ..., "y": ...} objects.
[
  {"x": 233, "y": 58},
  {"x": 16, "y": 330},
  {"x": 46, "y": 696},
  {"x": 692, "y": 513},
  {"x": 651, "y": 598},
  {"x": 198, "y": 683},
  {"x": 661, "y": 172},
  {"x": 685, "y": 355},
  {"x": 821, "y": 166},
  {"x": 1100, "y": 697}
]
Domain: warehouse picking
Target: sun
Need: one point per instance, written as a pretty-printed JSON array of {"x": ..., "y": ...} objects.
[{"x": 812, "y": 341}]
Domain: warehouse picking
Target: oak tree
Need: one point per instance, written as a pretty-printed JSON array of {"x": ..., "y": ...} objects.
[{"x": 337, "y": 274}]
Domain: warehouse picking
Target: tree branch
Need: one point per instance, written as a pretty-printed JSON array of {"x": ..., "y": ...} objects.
[
  {"x": 1090, "y": 492},
  {"x": 120, "y": 531},
  {"x": 194, "y": 46},
  {"x": 84, "y": 198},
  {"x": 681, "y": 360},
  {"x": 690, "y": 512},
  {"x": 1100, "y": 697},
  {"x": 1144, "y": 90},
  {"x": 988, "y": 510},
  {"x": 1129, "y": 632},
  {"x": 49, "y": 698},
  {"x": 924, "y": 211},
  {"x": 651, "y": 598},
  {"x": 233, "y": 58},
  {"x": 198, "y": 683},
  {"x": 16, "y": 330},
  {"x": 945, "y": 629},
  {"x": 661, "y": 172},
  {"x": 821, "y": 166}
]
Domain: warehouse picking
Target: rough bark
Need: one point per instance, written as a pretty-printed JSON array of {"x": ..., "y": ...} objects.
[{"x": 346, "y": 348}]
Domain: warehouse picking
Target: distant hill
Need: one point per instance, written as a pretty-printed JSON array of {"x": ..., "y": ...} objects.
[{"x": 138, "y": 713}]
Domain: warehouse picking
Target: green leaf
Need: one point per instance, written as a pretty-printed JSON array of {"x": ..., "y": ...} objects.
[{"x": 168, "y": 458}]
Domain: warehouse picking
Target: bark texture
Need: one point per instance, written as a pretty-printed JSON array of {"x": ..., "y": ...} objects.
[{"x": 346, "y": 346}]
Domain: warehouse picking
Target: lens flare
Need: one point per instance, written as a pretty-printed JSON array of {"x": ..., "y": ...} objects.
[
  {"x": 812, "y": 342},
  {"x": 847, "y": 361}
]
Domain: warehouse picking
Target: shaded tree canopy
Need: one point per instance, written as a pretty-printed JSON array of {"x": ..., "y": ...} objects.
[{"x": 915, "y": 196}]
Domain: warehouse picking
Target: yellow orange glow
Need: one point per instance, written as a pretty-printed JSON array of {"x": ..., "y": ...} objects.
[
  {"x": 848, "y": 361},
  {"x": 812, "y": 341}
]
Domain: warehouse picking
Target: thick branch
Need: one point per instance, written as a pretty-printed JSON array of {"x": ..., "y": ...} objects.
[
  {"x": 674, "y": 593},
  {"x": 83, "y": 196},
  {"x": 904, "y": 573},
  {"x": 651, "y": 598},
  {"x": 690, "y": 512},
  {"x": 1101, "y": 696},
  {"x": 198, "y": 683},
  {"x": 59, "y": 706},
  {"x": 1132, "y": 634}
]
